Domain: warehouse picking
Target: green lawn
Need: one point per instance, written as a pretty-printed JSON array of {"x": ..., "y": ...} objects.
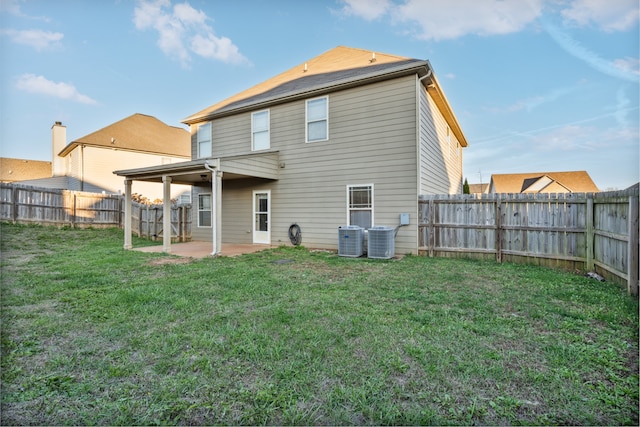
[{"x": 93, "y": 334}]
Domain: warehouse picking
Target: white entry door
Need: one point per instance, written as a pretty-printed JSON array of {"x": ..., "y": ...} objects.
[{"x": 261, "y": 212}]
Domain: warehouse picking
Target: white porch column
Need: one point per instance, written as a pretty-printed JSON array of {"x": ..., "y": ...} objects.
[
  {"x": 166, "y": 214},
  {"x": 127, "y": 214},
  {"x": 216, "y": 211}
]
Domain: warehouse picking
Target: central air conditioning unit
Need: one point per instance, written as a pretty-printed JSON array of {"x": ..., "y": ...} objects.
[
  {"x": 350, "y": 241},
  {"x": 381, "y": 242}
]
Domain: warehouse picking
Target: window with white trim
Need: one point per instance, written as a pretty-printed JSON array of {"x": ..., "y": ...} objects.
[
  {"x": 204, "y": 210},
  {"x": 317, "y": 119},
  {"x": 260, "y": 138},
  {"x": 204, "y": 140},
  {"x": 360, "y": 205}
]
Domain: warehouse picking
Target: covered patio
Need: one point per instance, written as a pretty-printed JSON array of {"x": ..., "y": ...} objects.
[
  {"x": 203, "y": 249},
  {"x": 258, "y": 165}
]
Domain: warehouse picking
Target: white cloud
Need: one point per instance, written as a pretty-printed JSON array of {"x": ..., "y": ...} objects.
[
  {"x": 367, "y": 9},
  {"x": 445, "y": 19},
  {"x": 628, "y": 65},
  {"x": 37, "y": 39},
  {"x": 610, "y": 15},
  {"x": 453, "y": 19},
  {"x": 183, "y": 30},
  {"x": 40, "y": 85},
  {"x": 13, "y": 7},
  {"x": 10, "y": 6},
  {"x": 595, "y": 61},
  {"x": 565, "y": 138}
]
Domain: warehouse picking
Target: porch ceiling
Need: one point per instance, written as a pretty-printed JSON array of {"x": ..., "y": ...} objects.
[{"x": 255, "y": 165}]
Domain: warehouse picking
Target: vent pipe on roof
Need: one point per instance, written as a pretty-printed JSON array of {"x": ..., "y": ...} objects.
[
  {"x": 373, "y": 57},
  {"x": 305, "y": 68}
]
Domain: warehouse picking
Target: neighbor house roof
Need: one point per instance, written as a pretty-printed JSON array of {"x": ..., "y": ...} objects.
[
  {"x": 338, "y": 68},
  {"x": 478, "y": 188},
  {"x": 543, "y": 182},
  {"x": 12, "y": 170},
  {"x": 141, "y": 133}
]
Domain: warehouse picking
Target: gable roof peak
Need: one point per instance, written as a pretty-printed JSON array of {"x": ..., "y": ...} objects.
[
  {"x": 338, "y": 59},
  {"x": 138, "y": 132}
]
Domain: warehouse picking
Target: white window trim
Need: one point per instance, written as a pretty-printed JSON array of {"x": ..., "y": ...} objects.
[
  {"x": 198, "y": 141},
  {"x": 202, "y": 210},
  {"x": 306, "y": 119},
  {"x": 349, "y": 186},
  {"x": 253, "y": 132}
]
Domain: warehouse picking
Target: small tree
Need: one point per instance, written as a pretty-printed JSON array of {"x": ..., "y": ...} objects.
[{"x": 465, "y": 187}]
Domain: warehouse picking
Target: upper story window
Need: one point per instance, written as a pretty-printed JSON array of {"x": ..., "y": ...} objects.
[
  {"x": 260, "y": 139},
  {"x": 204, "y": 140},
  {"x": 360, "y": 205},
  {"x": 317, "y": 118}
]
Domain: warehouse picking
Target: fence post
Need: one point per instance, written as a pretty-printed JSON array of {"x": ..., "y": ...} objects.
[
  {"x": 632, "y": 250},
  {"x": 14, "y": 204},
  {"x": 431, "y": 227},
  {"x": 590, "y": 235},
  {"x": 181, "y": 225},
  {"x": 498, "y": 229},
  {"x": 73, "y": 211}
]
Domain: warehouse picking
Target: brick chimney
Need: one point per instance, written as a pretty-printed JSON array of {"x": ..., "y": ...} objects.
[{"x": 58, "y": 142}]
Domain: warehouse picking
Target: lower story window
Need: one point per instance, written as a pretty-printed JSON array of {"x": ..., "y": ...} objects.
[
  {"x": 360, "y": 205},
  {"x": 204, "y": 210}
]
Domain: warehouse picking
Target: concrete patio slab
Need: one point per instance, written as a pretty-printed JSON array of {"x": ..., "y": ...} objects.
[{"x": 203, "y": 249}]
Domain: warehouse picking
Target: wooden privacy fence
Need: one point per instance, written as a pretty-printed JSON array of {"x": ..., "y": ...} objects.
[
  {"x": 46, "y": 206},
  {"x": 34, "y": 205},
  {"x": 147, "y": 221},
  {"x": 586, "y": 231}
]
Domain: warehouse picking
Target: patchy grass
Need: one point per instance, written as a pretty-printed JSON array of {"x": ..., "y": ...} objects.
[{"x": 93, "y": 334}]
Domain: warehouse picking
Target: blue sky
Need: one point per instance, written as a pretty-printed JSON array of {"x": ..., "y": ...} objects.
[{"x": 537, "y": 85}]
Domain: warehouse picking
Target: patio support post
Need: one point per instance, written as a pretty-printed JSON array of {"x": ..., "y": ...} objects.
[
  {"x": 166, "y": 214},
  {"x": 216, "y": 210},
  {"x": 127, "y": 214}
]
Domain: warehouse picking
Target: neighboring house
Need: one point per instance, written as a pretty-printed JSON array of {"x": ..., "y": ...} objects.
[
  {"x": 13, "y": 170},
  {"x": 351, "y": 137},
  {"x": 542, "y": 182},
  {"x": 478, "y": 188},
  {"x": 86, "y": 164}
]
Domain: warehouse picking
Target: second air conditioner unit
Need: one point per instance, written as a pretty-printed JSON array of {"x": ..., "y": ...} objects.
[{"x": 381, "y": 242}]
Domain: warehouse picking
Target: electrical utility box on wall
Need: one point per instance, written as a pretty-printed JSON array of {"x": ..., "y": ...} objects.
[{"x": 404, "y": 219}]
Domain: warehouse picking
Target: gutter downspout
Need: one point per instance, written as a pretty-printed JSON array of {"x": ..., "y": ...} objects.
[
  {"x": 419, "y": 112},
  {"x": 418, "y": 144}
]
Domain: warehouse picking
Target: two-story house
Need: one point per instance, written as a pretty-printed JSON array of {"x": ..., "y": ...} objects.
[{"x": 350, "y": 137}]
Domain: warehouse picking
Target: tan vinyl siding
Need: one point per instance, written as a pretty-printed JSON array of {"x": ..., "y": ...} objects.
[
  {"x": 372, "y": 140},
  {"x": 440, "y": 159}
]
